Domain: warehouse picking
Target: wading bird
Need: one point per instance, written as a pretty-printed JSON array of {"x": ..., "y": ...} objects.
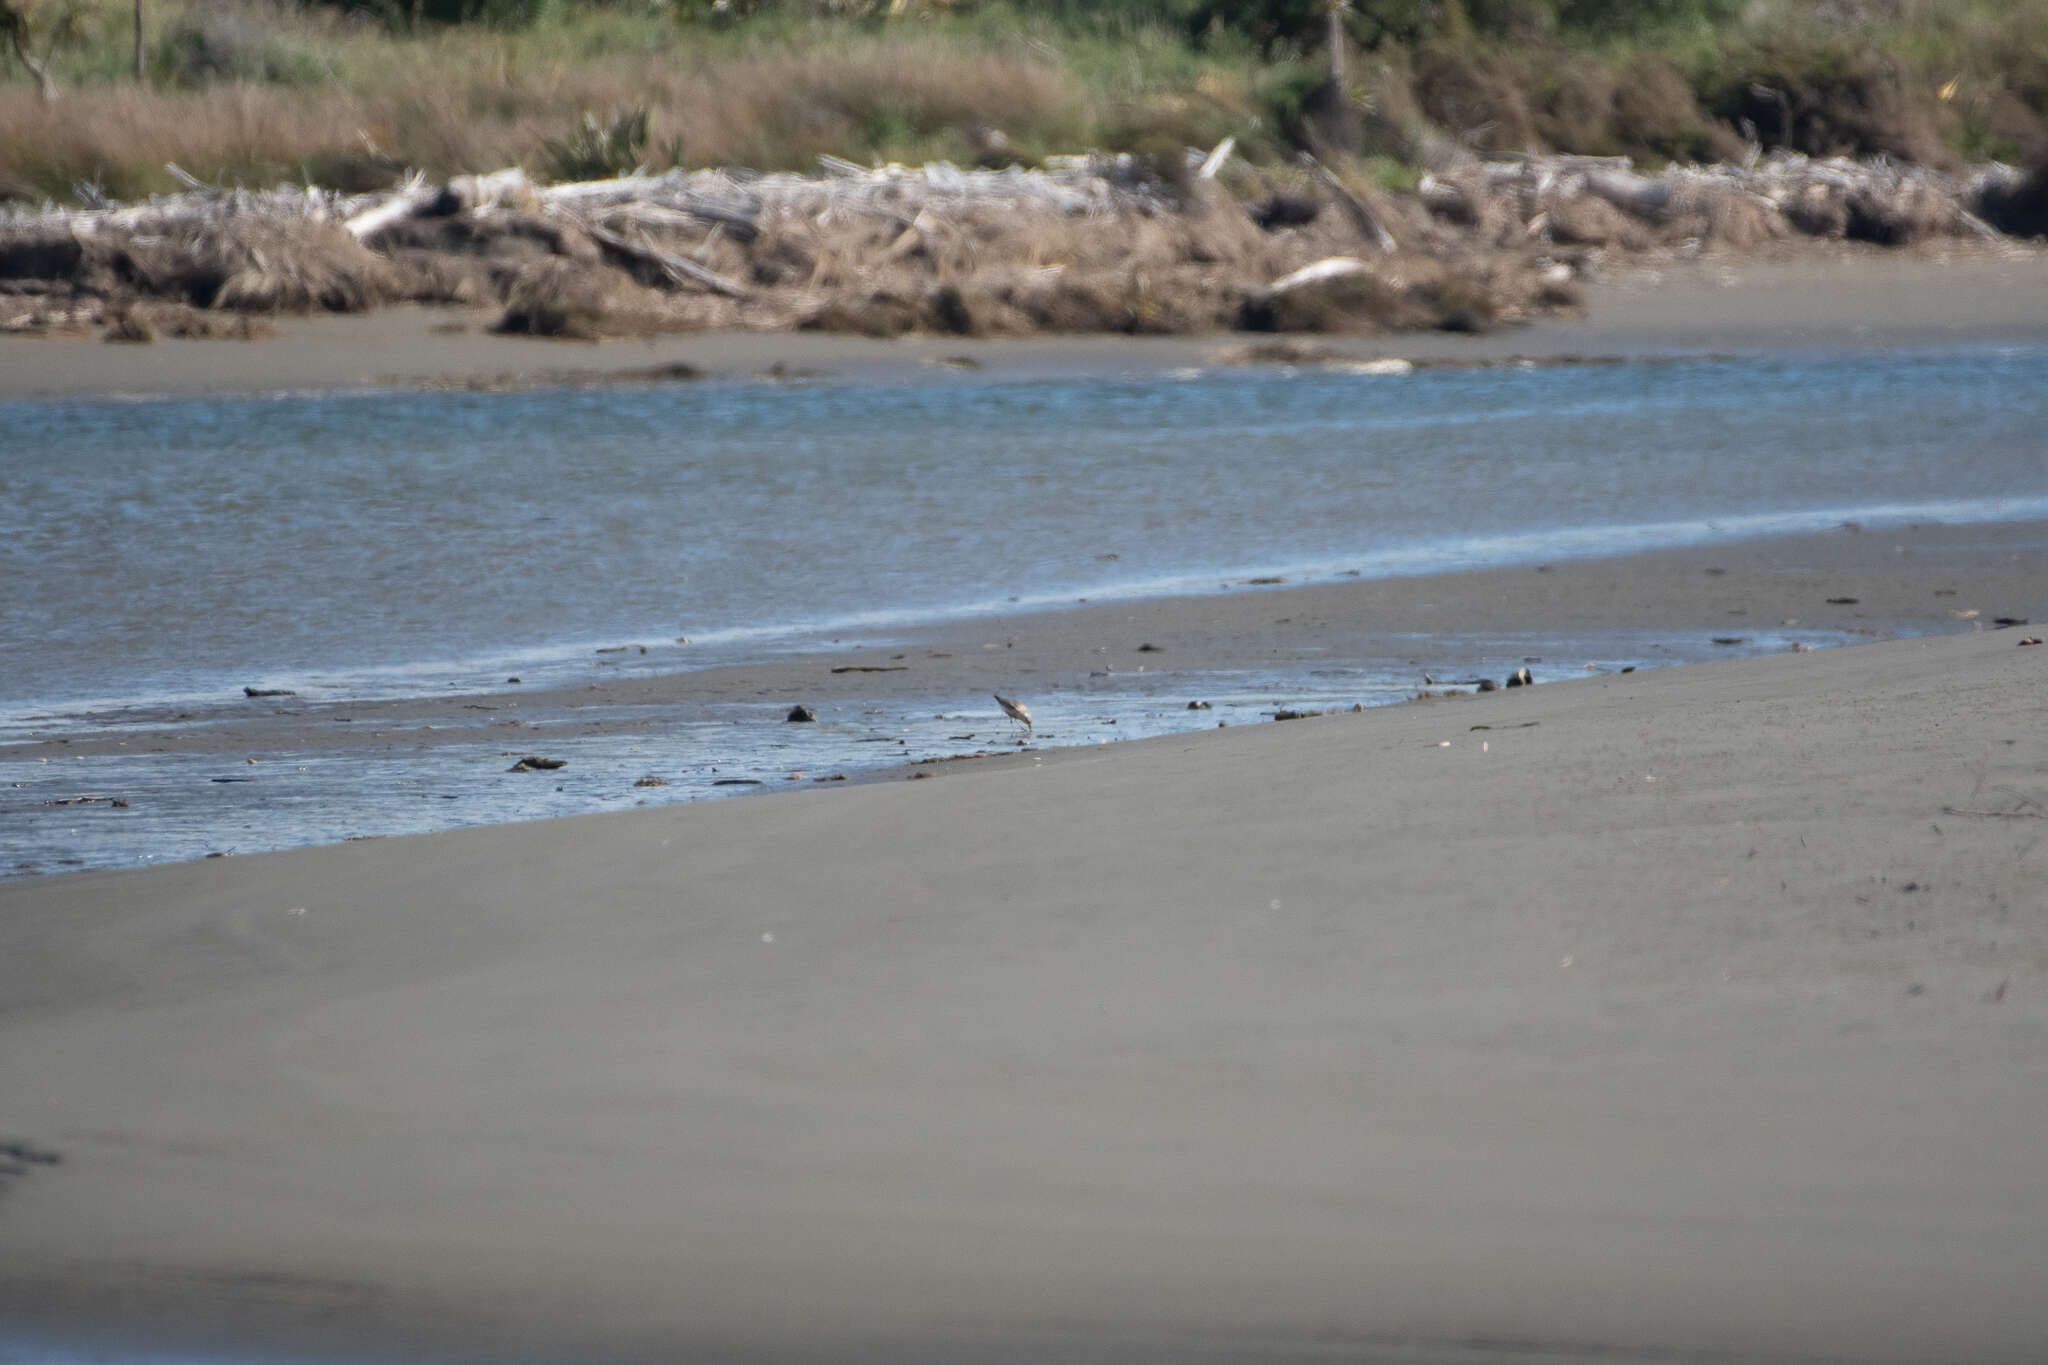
[{"x": 1015, "y": 710}]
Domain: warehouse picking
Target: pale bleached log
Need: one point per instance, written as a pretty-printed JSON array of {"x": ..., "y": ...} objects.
[
  {"x": 1218, "y": 156},
  {"x": 1319, "y": 272},
  {"x": 671, "y": 193},
  {"x": 469, "y": 193},
  {"x": 1464, "y": 200},
  {"x": 1562, "y": 162},
  {"x": 616, "y": 189},
  {"x": 405, "y": 204},
  {"x": 679, "y": 269},
  {"x": 738, "y": 222},
  {"x": 1631, "y": 193}
]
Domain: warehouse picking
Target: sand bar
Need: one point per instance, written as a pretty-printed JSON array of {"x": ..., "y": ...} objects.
[
  {"x": 1691, "y": 1013},
  {"x": 1837, "y": 298}
]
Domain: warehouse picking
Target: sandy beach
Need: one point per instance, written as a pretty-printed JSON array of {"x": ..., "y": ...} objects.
[{"x": 1691, "y": 1014}]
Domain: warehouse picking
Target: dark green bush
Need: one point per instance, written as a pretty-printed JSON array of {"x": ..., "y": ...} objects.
[
  {"x": 232, "y": 45},
  {"x": 1293, "y": 28},
  {"x": 404, "y": 16}
]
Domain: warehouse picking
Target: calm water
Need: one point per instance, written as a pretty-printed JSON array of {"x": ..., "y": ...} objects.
[{"x": 387, "y": 544}]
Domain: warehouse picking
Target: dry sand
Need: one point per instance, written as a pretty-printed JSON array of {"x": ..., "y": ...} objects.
[
  {"x": 1689, "y": 1012},
  {"x": 1838, "y": 298}
]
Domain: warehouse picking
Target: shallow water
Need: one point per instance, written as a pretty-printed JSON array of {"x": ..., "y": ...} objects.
[
  {"x": 183, "y": 806},
  {"x": 390, "y": 542},
  {"x": 367, "y": 545}
]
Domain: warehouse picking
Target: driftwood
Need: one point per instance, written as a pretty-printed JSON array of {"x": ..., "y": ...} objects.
[
  {"x": 1213, "y": 163},
  {"x": 1782, "y": 194},
  {"x": 1445, "y": 198},
  {"x": 508, "y": 188},
  {"x": 543, "y": 251},
  {"x": 668, "y": 196},
  {"x": 1083, "y": 243},
  {"x": 677, "y": 268},
  {"x": 1806, "y": 194},
  {"x": 1636, "y": 194},
  {"x": 409, "y": 202},
  {"x": 1318, "y": 273},
  {"x": 739, "y": 224},
  {"x": 1360, "y": 212}
]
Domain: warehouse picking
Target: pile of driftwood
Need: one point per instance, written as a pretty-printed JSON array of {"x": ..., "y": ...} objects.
[
  {"x": 626, "y": 216},
  {"x": 643, "y": 252},
  {"x": 1604, "y": 201},
  {"x": 1086, "y": 244}
]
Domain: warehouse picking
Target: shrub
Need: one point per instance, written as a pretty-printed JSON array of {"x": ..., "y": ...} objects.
[
  {"x": 205, "y": 47},
  {"x": 1637, "y": 18},
  {"x": 1827, "y": 97},
  {"x": 599, "y": 151},
  {"x": 405, "y": 16}
]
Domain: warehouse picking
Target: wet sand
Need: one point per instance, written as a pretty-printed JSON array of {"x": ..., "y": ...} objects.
[
  {"x": 1693, "y": 1013},
  {"x": 240, "y": 775},
  {"x": 1844, "y": 585},
  {"x": 1821, "y": 297}
]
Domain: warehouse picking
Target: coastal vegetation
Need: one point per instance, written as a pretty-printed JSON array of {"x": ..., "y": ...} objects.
[{"x": 98, "y": 96}]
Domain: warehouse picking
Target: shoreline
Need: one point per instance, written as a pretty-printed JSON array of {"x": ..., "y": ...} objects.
[
  {"x": 923, "y": 691},
  {"x": 1117, "y": 1053},
  {"x": 2011, "y": 531},
  {"x": 1884, "y": 577},
  {"x": 1839, "y": 299}
]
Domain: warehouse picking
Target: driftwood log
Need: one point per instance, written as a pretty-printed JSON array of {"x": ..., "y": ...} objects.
[
  {"x": 677, "y": 269},
  {"x": 1361, "y": 213},
  {"x": 409, "y": 202}
]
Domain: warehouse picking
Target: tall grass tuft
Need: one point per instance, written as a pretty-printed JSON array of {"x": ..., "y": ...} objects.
[{"x": 597, "y": 150}]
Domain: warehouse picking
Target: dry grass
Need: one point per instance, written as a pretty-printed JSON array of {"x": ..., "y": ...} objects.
[
  {"x": 269, "y": 268},
  {"x": 470, "y": 101},
  {"x": 262, "y": 91},
  {"x": 585, "y": 301},
  {"x": 120, "y": 137}
]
